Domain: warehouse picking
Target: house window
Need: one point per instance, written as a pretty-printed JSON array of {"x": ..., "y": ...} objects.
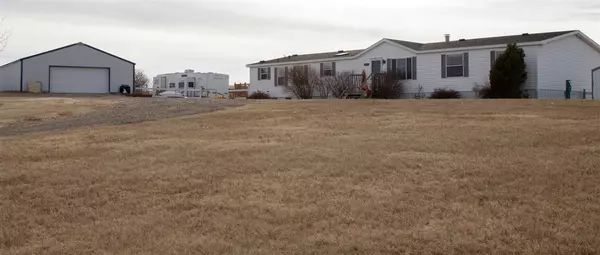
[
  {"x": 184, "y": 75},
  {"x": 191, "y": 84},
  {"x": 263, "y": 73},
  {"x": 281, "y": 76},
  {"x": 455, "y": 65},
  {"x": 172, "y": 85},
  {"x": 328, "y": 69},
  {"x": 181, "y": 84},
  {"x": 401, "y": 68}
]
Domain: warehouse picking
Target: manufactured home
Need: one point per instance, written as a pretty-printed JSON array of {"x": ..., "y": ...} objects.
[{"x": 552, "y": 59}]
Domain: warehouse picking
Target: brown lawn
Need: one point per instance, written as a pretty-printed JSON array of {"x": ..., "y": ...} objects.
[
  {"x": 37, "y": 108},
  {"x": 313, "y": 177}
]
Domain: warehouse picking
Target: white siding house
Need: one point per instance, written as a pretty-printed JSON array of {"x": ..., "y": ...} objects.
[
  {"x": 551, "y": 58},
  {"x": 76, "y": 68}
]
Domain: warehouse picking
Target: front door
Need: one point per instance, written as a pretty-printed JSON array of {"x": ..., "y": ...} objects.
[
  {"x": 376, "y": 67},
  {"x": 596, "y": 83}
]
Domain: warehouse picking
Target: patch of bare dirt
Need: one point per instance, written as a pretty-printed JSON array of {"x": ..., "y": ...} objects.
[{"x": 130, "y": 110}]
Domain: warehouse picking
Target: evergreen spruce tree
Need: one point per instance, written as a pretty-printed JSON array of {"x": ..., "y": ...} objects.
[{"x": 509, "y": 74}]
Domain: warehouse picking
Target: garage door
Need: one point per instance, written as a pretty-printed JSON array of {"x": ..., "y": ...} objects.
[
  {"x": 79, "y": 80},
  {"x": 596, "y": 80}
]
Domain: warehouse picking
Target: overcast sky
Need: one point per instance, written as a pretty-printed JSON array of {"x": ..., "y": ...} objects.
[{"x": 224, "y": 35}]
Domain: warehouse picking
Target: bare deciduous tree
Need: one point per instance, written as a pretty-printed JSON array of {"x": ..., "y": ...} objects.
[
  {"x": 341, "y": 84},
  {"x": 306, "y": 83},
  {"x": 4, "y": 35},
  {"x": 319, "y": 84},
  {"x": 302, "y": 82},
  {"x": 141, "y": 79}
]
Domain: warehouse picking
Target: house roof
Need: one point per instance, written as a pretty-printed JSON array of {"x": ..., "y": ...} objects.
[
  {"x": 411, "y": 45},
  {"x": 68, "y": 46},
  {"x": 500, "y": 40},
  {"x": 524, "y": 38},
  {"x": 313, "y": 56}
]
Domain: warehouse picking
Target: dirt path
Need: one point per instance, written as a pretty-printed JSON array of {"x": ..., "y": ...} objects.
[{"x": 131, "y": 110}]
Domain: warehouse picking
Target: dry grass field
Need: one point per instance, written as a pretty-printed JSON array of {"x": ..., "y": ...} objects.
[
  {"x": 30, "y": 109},
  {"x": 313, "y": 177}
]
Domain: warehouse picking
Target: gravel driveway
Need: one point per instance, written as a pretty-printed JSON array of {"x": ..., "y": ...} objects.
[{"x": 130, "y": 110}]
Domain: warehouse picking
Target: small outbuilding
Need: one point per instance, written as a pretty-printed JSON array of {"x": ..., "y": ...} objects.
[{"x": 76, "y": 68}]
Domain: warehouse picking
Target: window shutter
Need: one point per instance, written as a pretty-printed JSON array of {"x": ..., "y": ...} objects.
[
  {"x": 492, "y": 58},
  {"x": 258, "y": 69},
  {"x": 268, "y": 73},
  {"x": 276, "y": 77},
  {"x": 409, "y": 70},
  {"x": 333, "y": 72},
  {"x": 390, "y": 65},
  {"x": 285, "y": 83},
  {"x": 443, "y": 66},
  {"x": 321, "y": 69},
  {"x": 414, "y": 63},
  {"x": 306, "y": 71},
  {"x": 466, "y": 64}
]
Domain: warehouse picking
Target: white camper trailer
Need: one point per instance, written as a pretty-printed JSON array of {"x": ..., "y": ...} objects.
[{"x": 192, "y": 84}]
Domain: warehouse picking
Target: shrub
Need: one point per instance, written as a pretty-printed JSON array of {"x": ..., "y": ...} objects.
[
  {"x": 483, "y": 91},
  {"x": 259, "y": 95},
  {"x": 341, "y": 84},
  {"x": 303, "y": 82},
  {"x": 444, "y": 94},
  {"x": 388, "y": 86}
]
